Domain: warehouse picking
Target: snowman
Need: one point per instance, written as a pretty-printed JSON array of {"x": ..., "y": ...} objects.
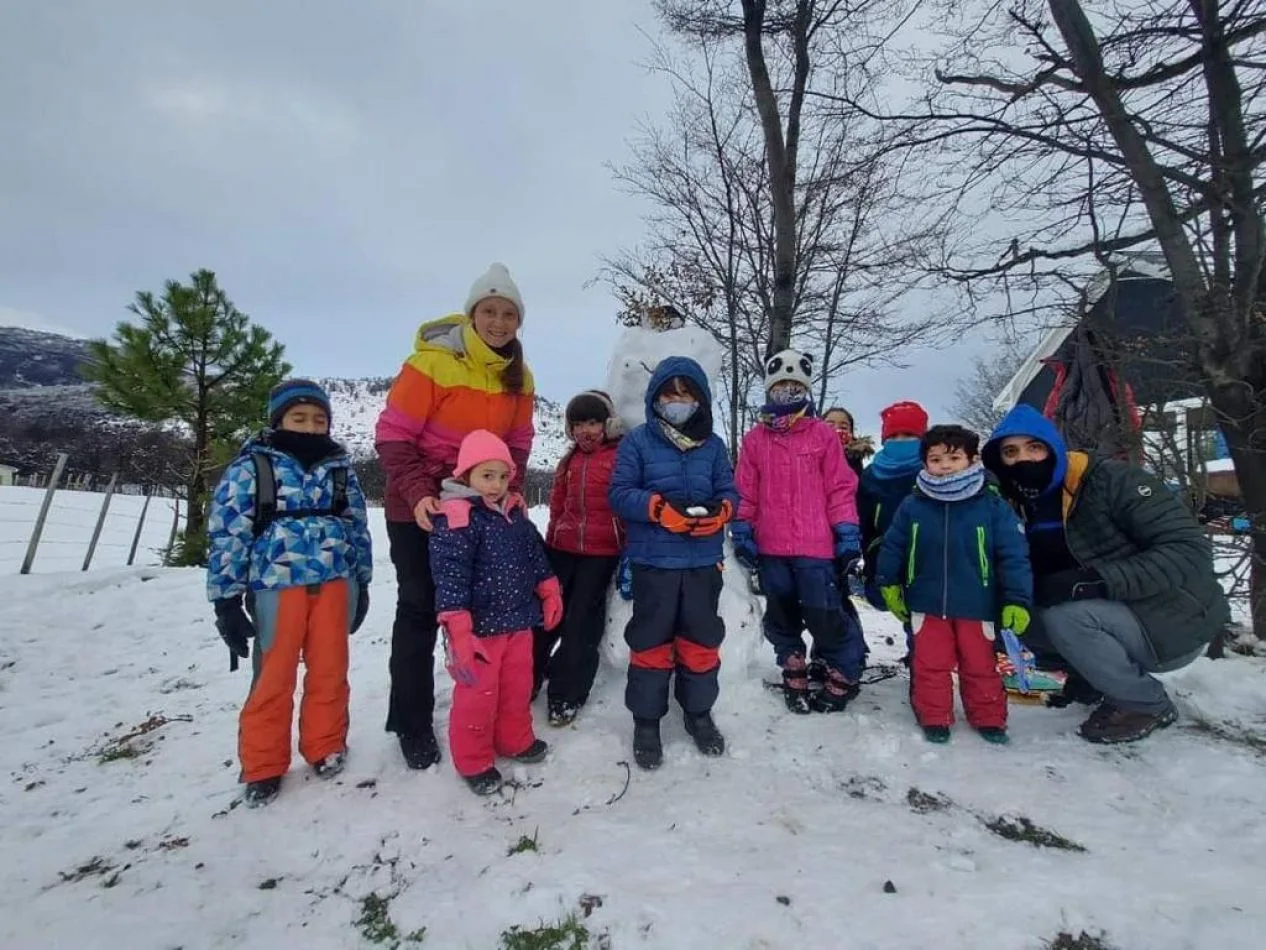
[{"x": 662, "y": 333}]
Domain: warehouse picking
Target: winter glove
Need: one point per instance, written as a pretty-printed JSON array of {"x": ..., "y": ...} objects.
[
  {"x": 1072, "y": 584},
  {"x": 848, "y": 550},
  {"x": 236, "y": 629},
  {"x": 1015, "y": 618},
  {"x": 551, "y": 601},
  {"x": 459, "y": 646},
  {"x": 895, "y": 601},
  {"x": 362, "y": 606},
  {"x": 714, "y": 521},
  {"x": 744, "y": 545},
  {"x": 668, "y": 517},
  {"x": 624, "y": 578}
]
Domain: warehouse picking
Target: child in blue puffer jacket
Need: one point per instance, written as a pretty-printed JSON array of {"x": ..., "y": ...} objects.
[
  {"x": 673, "y": 487},
  {"x": 287, "y": 534}
]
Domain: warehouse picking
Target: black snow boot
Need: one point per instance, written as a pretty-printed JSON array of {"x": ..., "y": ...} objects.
[
  {"x": 795, "y": 684},
  {"x": 485, "y": 783},
  {"x": 648, "y": 750},
  {"x": 331, "y": 765},
  {"x": 817, "y": 672},
  {"x": 561, "y": 713},
  {"x": 260, "y": 793},
  {"x": 420, "y": 751},
  {"x": 707, "y": 736},
  {"x": 534, "y": 753},
  {"x": 1109, "y": 725},
  {"x": 836, "y": 693}
]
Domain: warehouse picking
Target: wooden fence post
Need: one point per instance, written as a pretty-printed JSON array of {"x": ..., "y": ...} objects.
[
  {"x": 175, "y": 525},
  {"x": 101, "y": 517},
  {"x": 34, "y": 543},
  {"x": 140, "y": 523}
]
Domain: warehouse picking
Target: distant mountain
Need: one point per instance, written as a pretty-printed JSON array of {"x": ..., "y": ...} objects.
[{"x": 41, "y": 389}]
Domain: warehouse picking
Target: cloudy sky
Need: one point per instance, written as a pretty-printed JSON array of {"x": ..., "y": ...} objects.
[{"x": 347, "y": 169}]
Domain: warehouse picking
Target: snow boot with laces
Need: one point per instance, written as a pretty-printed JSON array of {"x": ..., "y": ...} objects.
[
  {"x": 795, "y": 684},
  {"x": 648, "y": 749},
  {"x": 704, "y": 731},
  {"x": 261, "y": 792},
  {"x": 1109, "y": 725},
  {"x": 836, "y": 693}
]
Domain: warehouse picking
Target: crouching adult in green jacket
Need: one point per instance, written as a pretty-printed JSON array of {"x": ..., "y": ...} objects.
[{"x": 1123, "y": 572}]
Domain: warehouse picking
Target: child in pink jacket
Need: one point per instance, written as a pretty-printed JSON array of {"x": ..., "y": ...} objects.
[{"x": 797, "y": 526}]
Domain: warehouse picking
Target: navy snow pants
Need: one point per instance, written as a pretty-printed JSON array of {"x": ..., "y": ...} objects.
[
  {"x": 675, "y": 628},
  {"x": 802, "y": 592}
]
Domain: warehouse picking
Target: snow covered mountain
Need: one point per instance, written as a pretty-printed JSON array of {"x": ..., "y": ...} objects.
[{"x": 40, "y": 385}]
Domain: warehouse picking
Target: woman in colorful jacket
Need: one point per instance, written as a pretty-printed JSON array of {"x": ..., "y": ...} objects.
[
  {"x": 467, "y": 372},
  {"x": 673, "y": 487},
  {"x": 584, "y": 541},
  {"x": 797, "y": 525}
]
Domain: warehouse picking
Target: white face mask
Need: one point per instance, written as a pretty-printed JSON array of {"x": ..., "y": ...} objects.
[{"x": 676, "y": 413}]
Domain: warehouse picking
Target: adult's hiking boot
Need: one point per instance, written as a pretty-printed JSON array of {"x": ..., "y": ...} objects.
[
  {"x": 487, "y": 782},
  {"x": 262, "y": 792},
  {"x": 704, "y": 731},
  {"x": 795, "y": 684},
  {"x": 1110, "y": 725},
  {"x": 836, "y": 693},
  {"x": 420, "y": 751},
  {"x": 648, "y": 750},
  {"x": 534, "y": 753}
]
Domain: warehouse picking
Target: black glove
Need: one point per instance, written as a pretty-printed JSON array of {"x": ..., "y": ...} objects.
[
  {"x": 1072, "y": 584},
  {"x": 362, "y": 607},
  {"x": 236, "y": 629}
]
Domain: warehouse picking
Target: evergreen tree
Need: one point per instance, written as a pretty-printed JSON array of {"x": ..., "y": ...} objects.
[{"x": 194, "y": 358}]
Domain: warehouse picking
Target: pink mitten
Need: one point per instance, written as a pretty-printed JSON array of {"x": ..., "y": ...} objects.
[
  {"x": 551, "y": 601},
  {"x": 459, "y": 645}
]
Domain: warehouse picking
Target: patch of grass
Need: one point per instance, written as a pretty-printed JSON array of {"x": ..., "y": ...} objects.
[
  {"x": 923, "y": 802},
  {"x": 116, "y": 753},
  {"x": 569, "y": 933},
  {"x": 1083, "y": 941},
  {"x": 376, "y": 926},
  {"x": 525, "y": 844},
  {"x": 97, "y": 866},
  {"x": 1021, "y": 829}
]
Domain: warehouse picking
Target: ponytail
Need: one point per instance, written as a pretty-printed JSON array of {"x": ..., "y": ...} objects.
[{"x": 515, "y": 374}]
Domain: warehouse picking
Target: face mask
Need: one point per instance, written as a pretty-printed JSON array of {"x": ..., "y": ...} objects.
[
  {"x": 676, "y": 413},
  {"x": 1030, "y": 479},
  {"x": 786, "y": 393},
  {"x": 588, "y": 441},
  {"x": 306, "y": 448}
]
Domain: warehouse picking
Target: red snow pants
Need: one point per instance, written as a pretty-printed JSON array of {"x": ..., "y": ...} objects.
[
  {"x": 308, "y": 622},
  {"x": 940, "y": 645},
  {"x": 493, "y": 716}
]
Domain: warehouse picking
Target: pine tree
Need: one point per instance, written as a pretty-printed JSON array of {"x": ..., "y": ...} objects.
[{"x": 194, "y": 358}]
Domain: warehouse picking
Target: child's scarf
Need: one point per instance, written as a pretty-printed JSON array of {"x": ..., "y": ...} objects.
[
  {"x": 677, "y": 437},
  {"x": 782, "y": 416},
  {"x": 957, "y": 487}
]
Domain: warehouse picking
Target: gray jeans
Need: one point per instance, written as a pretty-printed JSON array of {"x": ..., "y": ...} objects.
[{"x": 1104, "y": 642}]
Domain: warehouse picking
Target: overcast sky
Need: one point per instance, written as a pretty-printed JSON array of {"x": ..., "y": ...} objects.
[{"x": 346, "y": 168}]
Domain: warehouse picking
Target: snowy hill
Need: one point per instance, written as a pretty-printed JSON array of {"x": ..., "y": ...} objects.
[
  {"x": 122, "y": 825},
  {"x": 40, "y": 383}
]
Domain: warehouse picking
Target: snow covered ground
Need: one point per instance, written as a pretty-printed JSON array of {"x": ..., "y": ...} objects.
[{"x": 790, "y": 840}]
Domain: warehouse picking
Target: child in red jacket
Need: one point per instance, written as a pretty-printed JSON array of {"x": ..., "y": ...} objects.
[{"x": 584, "y": 541}]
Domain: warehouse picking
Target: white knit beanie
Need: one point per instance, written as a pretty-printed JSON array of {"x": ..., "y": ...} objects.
[
  {"x": 789, "y": 366},
  {"x": 495, "y": 282}
]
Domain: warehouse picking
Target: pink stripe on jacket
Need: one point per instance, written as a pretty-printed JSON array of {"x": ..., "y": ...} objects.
[{"x": 794, "y": 487}]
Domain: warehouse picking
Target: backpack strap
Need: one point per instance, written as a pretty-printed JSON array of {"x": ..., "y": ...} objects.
[{"x": 266, "y": 495}]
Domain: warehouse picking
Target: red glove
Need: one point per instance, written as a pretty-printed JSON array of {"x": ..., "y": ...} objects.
[
  {"x": 459, "y": 646},
  {"x": 668, "y": 517},
  {"x": 551, "y": 601},
  {"x": 710, "y": 525}
]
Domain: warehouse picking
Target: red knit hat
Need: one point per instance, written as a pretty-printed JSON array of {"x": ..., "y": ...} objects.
[
  {"x": 904, "y": 418},
  {"x": 481, "y": 446}
]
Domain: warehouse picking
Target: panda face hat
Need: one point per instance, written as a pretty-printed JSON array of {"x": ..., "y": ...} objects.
[{"x": 789, "y": 366}]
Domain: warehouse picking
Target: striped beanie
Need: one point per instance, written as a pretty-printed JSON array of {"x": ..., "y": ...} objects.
[{"x": 295, "y": 392}]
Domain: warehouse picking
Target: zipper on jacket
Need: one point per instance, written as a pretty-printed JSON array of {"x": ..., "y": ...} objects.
[
  {"x": 914, "y": 547},
  {"x": 945, "y": 568},
  {"x": 584, "y": 487},
  {"x": 879, "y": 506},
  {"x": 984, "y": 557}
]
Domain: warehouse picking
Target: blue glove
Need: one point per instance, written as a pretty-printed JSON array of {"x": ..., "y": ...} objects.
[
  {"x": 848, "y": 544},
  {"x": 744, "y": 544},
  {"x": 624, "y": 578}
]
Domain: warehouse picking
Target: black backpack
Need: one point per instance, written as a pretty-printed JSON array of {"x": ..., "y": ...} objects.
[{"x": 266, "y": 495}]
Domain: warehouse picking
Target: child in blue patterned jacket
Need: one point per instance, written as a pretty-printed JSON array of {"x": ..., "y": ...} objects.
[{"x": 287, "y": 534}]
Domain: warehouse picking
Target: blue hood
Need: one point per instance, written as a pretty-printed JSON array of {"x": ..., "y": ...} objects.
[
  {"x": 1027, "y": 421},
  {"x": 897, "y": 460},
  {"x": 672, "y": 366}
]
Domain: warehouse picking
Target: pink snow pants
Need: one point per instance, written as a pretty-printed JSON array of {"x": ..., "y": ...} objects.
[{"x": 493, "y": 716}]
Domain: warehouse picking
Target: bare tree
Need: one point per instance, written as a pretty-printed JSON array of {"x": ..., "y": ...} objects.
[
  {"x": 1143, "y": 129},
  {"x": 974, "y": 394}
]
